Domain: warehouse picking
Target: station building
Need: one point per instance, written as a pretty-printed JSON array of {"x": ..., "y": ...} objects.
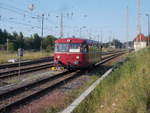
[{"x": 140, "y": 42}]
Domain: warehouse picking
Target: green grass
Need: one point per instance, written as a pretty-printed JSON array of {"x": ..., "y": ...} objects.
[
  {"x": 4, "y": 56},
  {"x": 126, "y": 90}
]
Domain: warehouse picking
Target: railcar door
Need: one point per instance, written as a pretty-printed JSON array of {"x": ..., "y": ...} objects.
[{"x": 85, "y": 52}]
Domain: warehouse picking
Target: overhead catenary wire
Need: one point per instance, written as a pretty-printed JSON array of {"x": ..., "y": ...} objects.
[
  {"x": 32, "y": 16},
  {"x": 16, "y": 22},
  {"x": 17, "y": 10}
]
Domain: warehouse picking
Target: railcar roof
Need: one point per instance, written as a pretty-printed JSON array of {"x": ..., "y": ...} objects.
[{"x": 76, "y": 40}]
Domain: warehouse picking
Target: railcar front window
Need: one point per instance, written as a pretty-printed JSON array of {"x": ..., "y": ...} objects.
[
  {"x": 64, "y": 47},
  {"x": 61, "y": 47},
  {"x": 74, "y": 47}
]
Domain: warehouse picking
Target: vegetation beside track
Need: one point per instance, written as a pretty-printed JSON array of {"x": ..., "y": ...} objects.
[
  {"x": 4, "y": 56},
  {"x": 126, "y": 90}
]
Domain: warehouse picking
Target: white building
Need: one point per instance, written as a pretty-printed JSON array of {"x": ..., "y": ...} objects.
[{"x": 140, "y": 42}]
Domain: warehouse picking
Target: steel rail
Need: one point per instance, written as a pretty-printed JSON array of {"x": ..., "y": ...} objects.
[
  {"x": 31, "y": 88},
  {"x": 24, "y": 63},
  {"x": 14, "y": 72},
  {"x": 20, "y": 89},
  {"x": 23, "y": 88},
  {"x": 41, "y": 60}
]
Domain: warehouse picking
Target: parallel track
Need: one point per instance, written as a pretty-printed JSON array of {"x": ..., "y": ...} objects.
[
  {"x": 25, "y": 63},
  {"x": 37, "y": 65},
  {"x": 24, "y": 70},
  {"x": 20, "y": 94}
]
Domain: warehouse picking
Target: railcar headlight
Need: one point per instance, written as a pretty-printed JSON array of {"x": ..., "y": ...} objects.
[
  {"x": 77, "y": 57},
  {"x": 58, "y": 57}
]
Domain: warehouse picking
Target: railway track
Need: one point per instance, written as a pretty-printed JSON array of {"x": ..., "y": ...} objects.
[
  {"x": 31, "y": 66},
  {"x": 25, "y": 63},
  {"x": 29, "y": 91},
  {"x": 41, "y": 60},
  {"x": 24, "y": 93},
  {"x": 24, "y": 69}
]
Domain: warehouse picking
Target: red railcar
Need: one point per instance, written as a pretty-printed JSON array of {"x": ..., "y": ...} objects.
[{"x": 76, "y": 53}]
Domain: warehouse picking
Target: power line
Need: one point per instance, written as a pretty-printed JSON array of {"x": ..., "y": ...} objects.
[
  {"x": 19, "y": 13},
  {"x": 20, "y": 23},
  {"x": 11, "y": 10},
  {"x": 17, "y": 9}
]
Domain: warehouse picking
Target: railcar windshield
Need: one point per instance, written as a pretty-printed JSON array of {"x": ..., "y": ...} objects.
[
  {"x": 74, "y": 47},
  {"x": 61, "y": 47},
  {"x": 67, "y": 47}
]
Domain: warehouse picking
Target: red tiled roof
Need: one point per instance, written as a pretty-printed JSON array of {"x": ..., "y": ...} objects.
[{"x": 141, "y": 37}]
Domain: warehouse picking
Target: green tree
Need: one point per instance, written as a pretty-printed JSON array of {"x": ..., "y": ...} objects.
[
  {"x": 117, "y": 43},
  {"x": 1, "y": 37},
  {"x": 11, "y": 47},
  {"x": 28, "y": 43},
  {"x": 36, "y": 42},
  {"x": 48, "y": 43},
  {"x": 20, "y": 40}
]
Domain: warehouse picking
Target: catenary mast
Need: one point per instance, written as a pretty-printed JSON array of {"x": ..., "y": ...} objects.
[{"x": 139, "y": 18}]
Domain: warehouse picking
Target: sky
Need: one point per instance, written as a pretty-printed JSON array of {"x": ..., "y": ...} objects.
[{"x": 99, "y": 19}]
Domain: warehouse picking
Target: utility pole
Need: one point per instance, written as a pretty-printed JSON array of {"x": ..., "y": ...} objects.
[
  {"x": 42, "y": 30},
  {"x": 101, "y": 37},
  {"x": 80, "y": 32},
  {"x": 148, "y": 16},
  {"x": 139, "y": 18},
  {"x": 98, "y": 38},
  {"x": 0, "y": 19},
  {"x": 127, "y": 26},
  {"x": 110, "y": 37},
  {"x": 90, "y": 36},
  {"x": 42, "y": 24},
  {"x": 7, "y": 45},
  {"x": 61, "y": 25}
]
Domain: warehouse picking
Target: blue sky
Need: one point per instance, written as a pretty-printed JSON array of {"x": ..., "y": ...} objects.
[{"x": 106, "y": 17}]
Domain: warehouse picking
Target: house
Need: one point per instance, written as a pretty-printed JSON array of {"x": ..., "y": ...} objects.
[{"x": 140, "y": 42}]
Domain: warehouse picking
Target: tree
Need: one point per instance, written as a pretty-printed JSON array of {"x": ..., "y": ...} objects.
[
  {"x": 4, "y": 36},
  {"x": 1, "y": 37},
  {"x": 117, "y": 43},
  {"x": 48, "y": 43},
  {"x": 20, "y": 41},
  {"x": 36, "y": 42},
  {"x": 28, "y": 43},
  {"x": 11, "y": 47}
]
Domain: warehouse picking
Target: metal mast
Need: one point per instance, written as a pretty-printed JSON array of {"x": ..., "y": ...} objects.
[
  {"x": 42, "y": 25},
  {"x": 42, "y": 31},
  {"x": 148, "y": 28},
  {"x": 139, "y": 18},
  {"x": 127, "y": 26},
  {"x": 101, "y": 37},
  {"x": 61, "y": 26}
]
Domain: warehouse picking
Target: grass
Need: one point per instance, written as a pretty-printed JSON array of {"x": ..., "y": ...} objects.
[
  {"x": 126, "y": 90},
  {"x": 4, "y": 56}
]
